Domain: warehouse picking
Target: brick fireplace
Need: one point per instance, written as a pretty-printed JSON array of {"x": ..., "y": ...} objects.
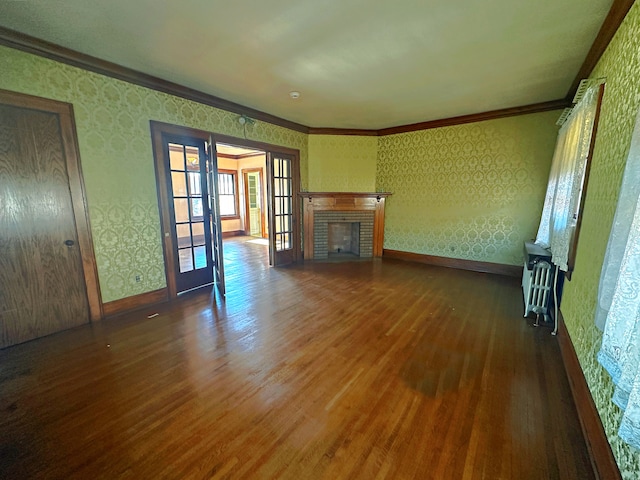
[{"x": 337, "y": 223}]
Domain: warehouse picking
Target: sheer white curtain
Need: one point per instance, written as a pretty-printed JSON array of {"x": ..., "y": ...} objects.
[
  {"x": 559, "y": 214},
  {"x": 619, "y": 299}
]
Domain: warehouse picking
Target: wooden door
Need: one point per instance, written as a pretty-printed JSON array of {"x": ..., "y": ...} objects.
[
  {"x": 43, "y": 286},
  {"x": 253, "y": 203},
  {"x": 284, "y": 237},
  {"x": 186, "y": 177},
  {"x": 215, "y": 217}
]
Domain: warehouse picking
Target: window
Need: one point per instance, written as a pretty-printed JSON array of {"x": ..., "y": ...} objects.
[
  {"x": 195, "y": 188},
  {"x": 562, "y": 211},
  {"x": 227, "y": 192}
]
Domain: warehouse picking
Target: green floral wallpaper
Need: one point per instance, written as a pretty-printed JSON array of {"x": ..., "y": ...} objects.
[
  {"x": 342, "y": 163},
  {"x": 471, "y": 191},
  {"x": 112, "y": 120},
  {"x": 621, "y": 66}
]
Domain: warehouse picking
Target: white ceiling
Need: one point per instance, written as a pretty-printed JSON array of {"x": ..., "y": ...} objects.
[{"x": 357, "y": 63}]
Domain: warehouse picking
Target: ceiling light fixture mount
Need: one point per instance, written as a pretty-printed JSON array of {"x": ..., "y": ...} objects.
[
  {"x": 243, "y": 120},
  {"x": 294, "y": 94}
]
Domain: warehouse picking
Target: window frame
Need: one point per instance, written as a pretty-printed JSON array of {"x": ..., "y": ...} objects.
[{"x": 234, "y": 174}]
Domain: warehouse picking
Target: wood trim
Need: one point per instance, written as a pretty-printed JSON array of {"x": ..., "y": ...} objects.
[
  {"x": 343, "y": 131},
  {"x": 233, "y": 233},
  {"x": 460, "y": 264},
  {"x": 311, "y": 195},
  {"x": 447, "y": 122},
  {"x": 76, "y": 187},
  {"x": 378, "y": 227},
  {"x": 612, "y": 22},
  {"x": 573, "y": 247},
  {"x": 239, "y": 157},
  {"x": 264, "y": 147},
  {"x": 478, "y": 117},
  {"x": 157, "y": 130},
  {"x": 135, "y": 302},
  {"x": 602, "y": 459},
  {"x": 27, "y": 43}
]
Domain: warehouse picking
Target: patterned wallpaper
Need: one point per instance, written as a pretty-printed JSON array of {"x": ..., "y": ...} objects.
[
  {"x": 621, "y": 66},
  {"x": 342, "y": 163},
  {"x": 112, "y": 120},
  {"x": 471, "y": 191}
]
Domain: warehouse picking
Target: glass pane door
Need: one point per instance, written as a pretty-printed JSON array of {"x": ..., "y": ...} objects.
[
  {"x": 215, "y": 218},
  {"x": 191, "y": 231},
  {"x": 283, "y": 215}
]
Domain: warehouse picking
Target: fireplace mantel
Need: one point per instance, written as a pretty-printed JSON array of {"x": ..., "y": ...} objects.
[{"x": 313, "y": 202}]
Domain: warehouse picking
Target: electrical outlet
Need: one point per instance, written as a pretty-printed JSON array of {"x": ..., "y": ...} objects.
[{"x": 138, "y": 278}]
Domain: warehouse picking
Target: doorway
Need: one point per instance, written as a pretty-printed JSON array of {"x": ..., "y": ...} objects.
[
  {"x": 203, "y": 198},
  {"x": 246, "y": 170},
  {"x": 254, "y": 203},
  {"x": 48, "y": 275}
]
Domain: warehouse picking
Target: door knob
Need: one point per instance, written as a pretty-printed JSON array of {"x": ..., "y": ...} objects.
[{"x": 69, "y": 243}]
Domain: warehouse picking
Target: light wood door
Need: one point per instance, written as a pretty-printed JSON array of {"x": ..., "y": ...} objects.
[
  {"x": 253, "y": 203},
  {"x": 42, "y": 286}
]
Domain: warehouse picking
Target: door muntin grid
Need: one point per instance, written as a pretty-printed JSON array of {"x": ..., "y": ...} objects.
[
  {"x": 186, "y": 187},
  {"x": 283, "y": 204}
]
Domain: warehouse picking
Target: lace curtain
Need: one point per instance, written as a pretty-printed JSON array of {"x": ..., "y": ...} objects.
[
  {"x": 618, "y": 309},
  {"x": 559, "y": 214}
]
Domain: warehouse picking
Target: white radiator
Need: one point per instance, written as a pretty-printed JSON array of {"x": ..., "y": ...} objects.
[{"x": 537, "y": 285}]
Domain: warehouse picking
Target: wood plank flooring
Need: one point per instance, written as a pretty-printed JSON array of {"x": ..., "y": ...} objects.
[{"x": 357, "y": 370}]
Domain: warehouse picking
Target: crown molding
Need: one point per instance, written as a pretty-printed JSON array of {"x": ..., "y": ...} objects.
[
  {"x": 343, "y": 131},
  {"x": 447, "y": 122},
  {"x": 612, "y": 22},
  {"x": 477, "y": 117},
  {"x": 27, "y": 43}
]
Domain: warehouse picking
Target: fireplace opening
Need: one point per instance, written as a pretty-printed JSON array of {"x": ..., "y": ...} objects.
[
  {"x": 343, "y": 234},
  {"x": 343, "y": 238}
]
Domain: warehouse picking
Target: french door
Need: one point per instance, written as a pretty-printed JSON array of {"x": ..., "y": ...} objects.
[
  {"x": 186, "y": 171},
  {"x": 187, "y": 175},
  {"x": 215, "y": 219},
  {"x": 186, "y": 167},
  {"x": 284, "y": 237}
]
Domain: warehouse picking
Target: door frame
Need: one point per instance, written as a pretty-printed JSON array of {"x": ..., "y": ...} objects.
[
  {"x": 267, "y": 147},
  {"x": 157, "y": 131},
  {"x": 69, "y": 140},
  {"x": 263, "y": 200}
]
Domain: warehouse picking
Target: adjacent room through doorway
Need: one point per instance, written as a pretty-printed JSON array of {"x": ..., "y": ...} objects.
[{"x": 213, "y": 187}]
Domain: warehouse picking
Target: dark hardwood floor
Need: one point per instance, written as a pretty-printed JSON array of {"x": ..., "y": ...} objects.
[{"x": 367, "y": 370}]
